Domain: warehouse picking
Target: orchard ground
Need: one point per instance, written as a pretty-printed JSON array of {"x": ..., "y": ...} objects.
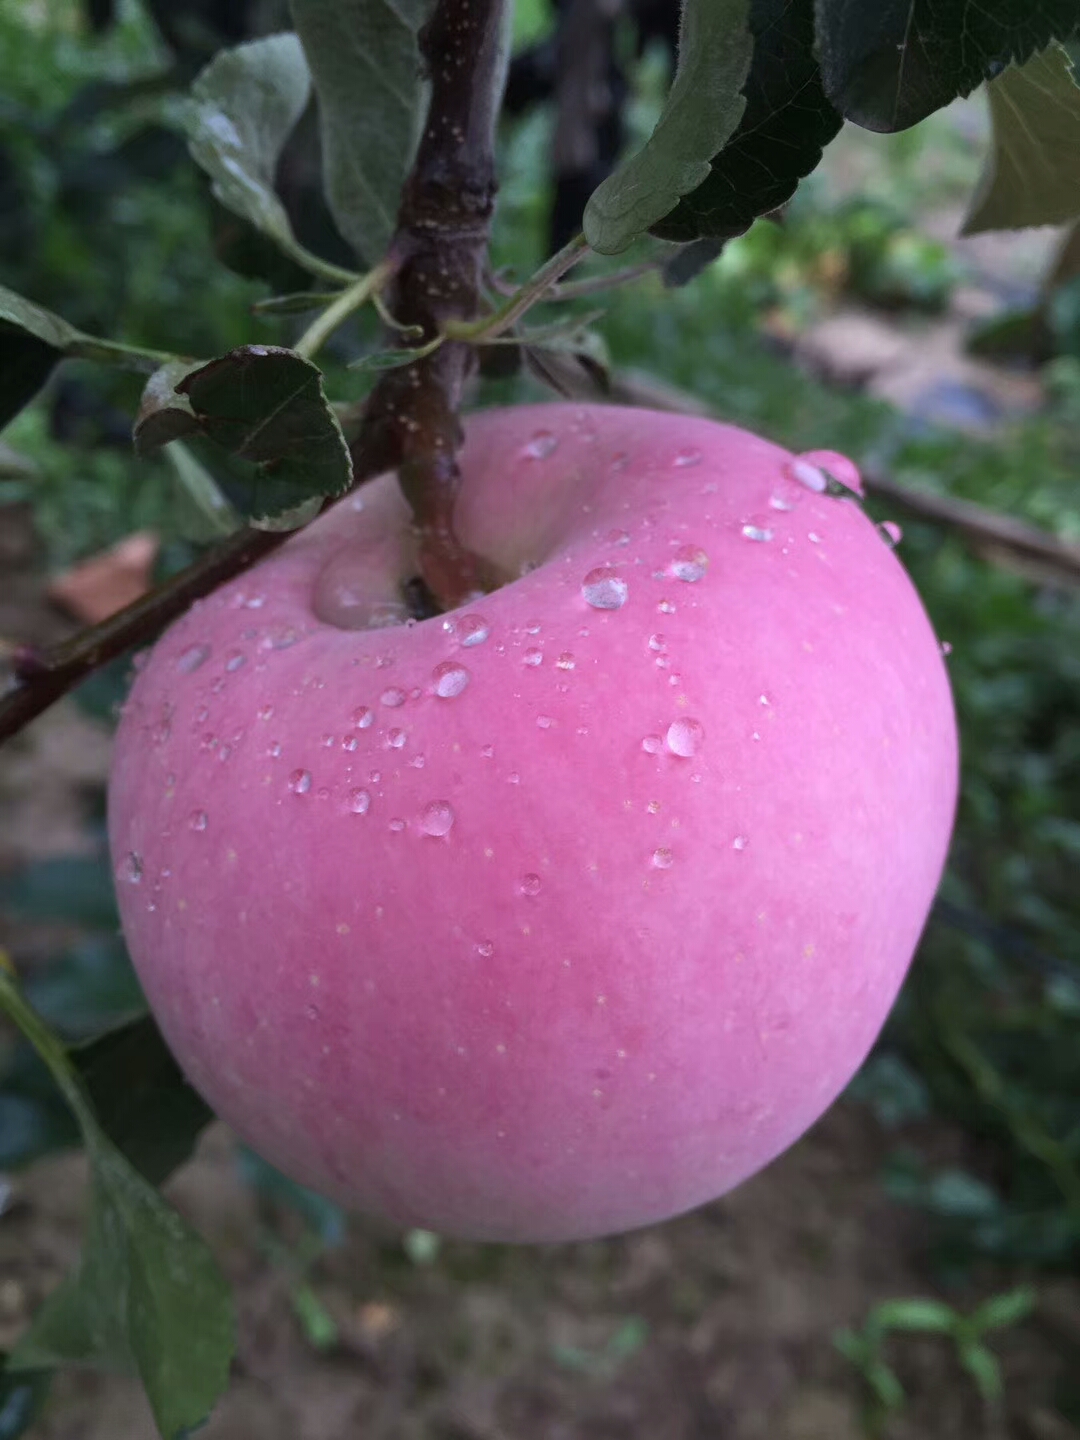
[{"x": 716, "y": 1325}]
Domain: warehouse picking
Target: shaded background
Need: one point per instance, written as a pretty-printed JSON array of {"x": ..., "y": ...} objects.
[{"x": 951, "y": 1170}]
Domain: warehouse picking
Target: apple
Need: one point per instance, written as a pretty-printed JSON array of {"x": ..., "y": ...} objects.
[{"x": 565, "y": 912}]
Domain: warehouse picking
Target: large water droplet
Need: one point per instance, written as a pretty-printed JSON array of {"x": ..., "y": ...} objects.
[
  {"x": 472, "y": 630},
  {"x": 604, "y": 589},
  {"x": 841, "y": 474},
  {"x": 808, "y": 475},
  {"x": 437, "y": 818},
  {"x": 684, "y": 737},
  {"x": 190, "y": 659},
  {"x": 530, "y": 884},
  {"x": 689, "y": 563},
  {"x": 345, "y": 594},
  {"x": 542, "y": 444},
  {"x": 300, "y": 782},
  {"x": 130, "y": 869},
  {"x": 450, "y": 679}
]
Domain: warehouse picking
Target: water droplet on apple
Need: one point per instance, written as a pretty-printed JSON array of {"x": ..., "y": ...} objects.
[
  {"x": 312, "y": 1012},
  {"x": 604, "y": 589},
  {"x": 685, "y": 458},
  {"x": 666, "y": 607},
  {"x": 946, "y": 647},
  {"x": 814, "y": 537},
  {"x": 807, "y": 474},
  {"x": 363, "y": 717},
  {"x": 396, "y": 738},
  {"x": 781, "y": 502},
  {"x": 689, "y": 563},
  {"x": 274, "y": 749},
  {"x": 487, "y": 751},
  {"x": 684, "y": 737},
  {"x": 397, "y": 825},
  {"x": 530, "y": 884},
  {"x": 450, "y": 679},
  {"x": 891, "y": 533},
  {"x": 533, "y": 657},
  {"x": 328, "y": 742},
  {"x": 545, "y": 722},
  {"x": 350, "y": 743},
  {"x": 190, "y": 659},
  {"x": 514, "y": 778},
  {"x": 235, "y": 662},
  {"x": 542, "y": 444},
  {"x": 472, "y": 630},
  {"x": 197, "y": 820},
  {"x": 437, "y": 818},
  {"x": 652, "y": 744},
  {"x": 841, "y": 474},
  {"x": 300, "y": 782},
  {"x": 265, "y": 712},
  {"x": 486, "y": 949},
  {"x": 130, "y": 869},
  {"x": 392, "y": 697},
  {"x": 662, "y": 858},
  {"x": 565, "y": 661},
  {"x": 757, "y": 532},
  {"x": 739, "y": 843}
]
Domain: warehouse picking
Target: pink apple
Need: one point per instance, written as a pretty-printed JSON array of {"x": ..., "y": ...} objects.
[{"x": 566, "y": 913}]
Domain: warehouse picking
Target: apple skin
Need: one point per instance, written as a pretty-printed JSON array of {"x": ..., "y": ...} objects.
[{"x": 625, "y": 978}]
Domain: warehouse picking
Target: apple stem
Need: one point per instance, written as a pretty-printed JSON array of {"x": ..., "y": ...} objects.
[{"x": 439, "y": 254}]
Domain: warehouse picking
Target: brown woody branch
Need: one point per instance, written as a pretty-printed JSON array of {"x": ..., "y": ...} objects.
[{"x": 440, "y": 253}]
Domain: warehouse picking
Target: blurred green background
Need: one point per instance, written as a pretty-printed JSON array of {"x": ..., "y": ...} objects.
[{"x": 105, "y": 219}]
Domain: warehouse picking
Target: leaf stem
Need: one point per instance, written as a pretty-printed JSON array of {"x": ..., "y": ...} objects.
[
  {"x": 535, "y": 289},
  {"x": 49, "y": 1046},
  {"x": 339, "y": 310}
]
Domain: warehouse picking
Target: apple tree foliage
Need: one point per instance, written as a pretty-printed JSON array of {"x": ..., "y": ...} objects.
[{"x": 760, "y": 87}]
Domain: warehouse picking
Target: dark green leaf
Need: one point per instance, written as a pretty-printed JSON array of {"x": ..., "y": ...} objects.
[
  {"x": 146, "y": 1290},
  {"x": 365, "y": 62},
  {"x": 141, "y": 1098},
  {"x": 787, "y": 122},
  {"x": 263, "y": 405},
  {"x": 77, "y": 890},
  {"x": 299, "y": 303},
  {"x": 245, "y": 105},
  {"x": 890, "y": 63},
  {"x": 88, "y": 989},
  {"x": 202, "y": 512},
  {"x": 914, "y": 1314},
  {"x": 21, "y": 1399},
  {"x": 32, "y": 342},
  {"x": 703, "y": 109},
  {"x": 689, "y": 261},
  {"x": 1031, "y": 176},
  {"x": 164, "y": 415}
]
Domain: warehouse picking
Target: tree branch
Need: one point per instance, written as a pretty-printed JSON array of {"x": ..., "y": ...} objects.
[{"x": 440, "y": 254}]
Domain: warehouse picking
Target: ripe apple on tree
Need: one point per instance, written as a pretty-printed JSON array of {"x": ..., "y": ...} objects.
[{"x": 567, "y": 910}]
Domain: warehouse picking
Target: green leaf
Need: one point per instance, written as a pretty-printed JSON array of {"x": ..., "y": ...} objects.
[
  {"x": 141, "y": 1098},
  {"x": 702, "y": 111},
  {"x": 787, "y": 122},
  {"x": 164, "y": 415},
  {"x": 914, "y": 1314},
  {"x": 1031, "y": 175},
  {"x": 264, "y": 405},
  {"x": 983, "y": 1368},
  {"x": 365, "y": 62},
  {"x": 146, "y": 1291},
  {"x": 21, "y": 1399},
  {"x": 1002, "y": 1310},
  {"x": 890, "y": 63},
  {"x": 244, "y": 106},
  {"x": 77, "y": 890},
  {"x": 204, "y": 512}
]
